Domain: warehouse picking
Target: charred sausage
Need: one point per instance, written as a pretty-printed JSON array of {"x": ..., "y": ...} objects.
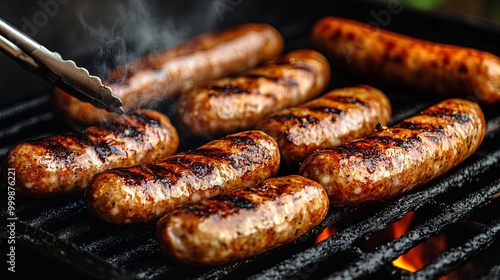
[
  {"x": 143, "y": 193},
  {"x": 231, "y": 104},
  {"x": 164, "y": 74},
  {"x": 65, "y": 163},
  {"x": 395, "y": 160},
  {"x": 336, "y": 117},
  {"x": 430, "y": 67},
  {"x": 245, "y": 223}
]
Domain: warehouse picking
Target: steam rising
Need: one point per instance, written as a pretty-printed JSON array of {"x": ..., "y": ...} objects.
[{"x": 123, "y": 32}]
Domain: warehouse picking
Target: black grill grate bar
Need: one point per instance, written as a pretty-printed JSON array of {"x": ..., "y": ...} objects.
[
  {"x": 455, "y": 256},
  {"x": 150, "y": 246},
  {"x": 112, "y": 241},
  {"x": 26, "y": 106},
  {"x": 74, "y": 231},
  {"x": 373, "y": 261},
  {"x": 55, "y": 215},
  {"x": 414, "y": 201}
]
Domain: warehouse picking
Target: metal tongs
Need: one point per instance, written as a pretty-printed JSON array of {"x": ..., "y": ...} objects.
[{"x": 64, "y": 74}]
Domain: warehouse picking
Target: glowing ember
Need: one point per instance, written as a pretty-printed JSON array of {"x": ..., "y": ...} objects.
[{"x": 325, "y": 234}]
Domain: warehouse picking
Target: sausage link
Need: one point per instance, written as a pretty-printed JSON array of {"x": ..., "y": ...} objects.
[
  {"x": 395, "y": 160},
  {"x": 65, "y": 163},
  {"x": 162, "y": 75},
  {"x": 393, "y": 58},
  {"x": 143, "y": 193},
  {"x": 330, "y": 120},
  {"x": 231, "y": 104},
  {"x": 245, "y": 223}
]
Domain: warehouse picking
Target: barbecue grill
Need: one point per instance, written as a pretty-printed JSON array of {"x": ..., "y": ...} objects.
[{"x": 58, "y": 237}]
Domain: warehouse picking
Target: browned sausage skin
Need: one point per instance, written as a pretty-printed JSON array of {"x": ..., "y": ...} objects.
[
  {"x": 231, "y": 104},
  {"x": 386, "y": 56},
  {"x": 245, "y": 223},
  {"x": 396, "y": 159},
  {"x": 65, "y": 163},
  {"x": 164, "y": 74},
  {"x": 143, "y": 193},
  {"x": 334, "y": 118}
]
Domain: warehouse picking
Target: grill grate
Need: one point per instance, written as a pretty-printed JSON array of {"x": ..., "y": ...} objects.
[{"x": 62, "y": 230}]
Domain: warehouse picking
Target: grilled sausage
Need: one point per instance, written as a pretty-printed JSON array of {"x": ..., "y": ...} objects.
[
  {"x": 141, "y": 194},
  {"x": 393, "y": 58},
  {"x": 236, "y": 103},
  {"x": 395, "y": 160},
  {"x": 164, "y": 74},
  {"x": 334, "y": 118},
  {"x": 65, "y": 163},
  {"x": 245, "y": 223}
]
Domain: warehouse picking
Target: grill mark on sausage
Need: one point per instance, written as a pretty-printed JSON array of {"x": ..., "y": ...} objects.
[
  {"x": 238, "y": 202},
  {"x": 130, "y": 176},
  {"x": 425, "y": 127},
  {"x": 55, "y": 148},
  {"x": 165, "y": 176},
  {"x": 449, "y": 113},
  {"x": 227, "y": 89},
  {"x": 199, "y": 168},
  {"x": 304, "y": 121},
  {"x": 346, "y": 100},
  {"x": 325, "y": 109},
  {"x": 123, "y": 130}
]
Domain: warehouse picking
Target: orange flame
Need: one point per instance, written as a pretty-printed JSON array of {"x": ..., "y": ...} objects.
[
  {"x": 417, "y": 257},
  {"x": 327, "y": 232}
]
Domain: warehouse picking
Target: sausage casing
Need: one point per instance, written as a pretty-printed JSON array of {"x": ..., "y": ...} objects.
[
  {"x": 143, "y": 193},
  {"x": 397, "y": 59},
  {"x": 231, "y": 104},
  {"x": 65, "y": 163},
  {"x": 397, "y": 159},
  {"x": 336, "y": 117},
  {"x": 162, "y": 75},
  {"x": 245, "y": 223}
]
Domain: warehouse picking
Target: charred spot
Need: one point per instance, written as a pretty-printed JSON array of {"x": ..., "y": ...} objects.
[
  {"x": 146, "y": 120},
  {"x": 463, "y": 69},
  {"x": 258, "y": 76},
  {"x": 199, "y": 169},
  {"x": 350, "y": 36},
  {"x": 163, "y": 175},
  {"x": 199, "y": 209},
  {"x": 234, "y": 201},
  {"x": 227, "y": 89},
  {"x": 389, "y": 45},
  {"x": 425, "y": 127},
  {"x": 101, "y": 147},
  {"x": 130, "y": 177},
  {"x": 328, "y": 110},
  {"x": 346, "y": 100},
  {"x": 370, "y": 165},
  {"x": 337, "y": 33},
  {"x": 359, "y": 148},
  {"x": 434, "y": 139},
  {"x": 241, "y": 139},
  {"x": 397, "y": 59},
  {"x": 56, "y": 149},
  {"x": 446, "y": 59},
  {"x": 433, "y": 64},
  {"x": 456, "y": 115},
  {"x": 123, "y": 130},
  {"x": 213, "y": 153},
  {"x": 388, "y": 141},
  {"x": 303, "y": 121}
]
